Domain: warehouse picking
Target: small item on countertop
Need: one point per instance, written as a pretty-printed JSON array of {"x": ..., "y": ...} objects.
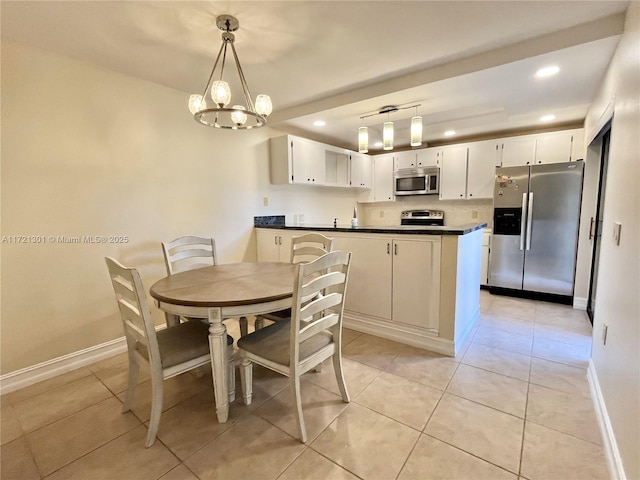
[
  {"x": 335, "y": 223},
  {"x": 354, "y": 220}
]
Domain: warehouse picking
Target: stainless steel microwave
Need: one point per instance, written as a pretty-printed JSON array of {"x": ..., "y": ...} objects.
[{"x": 417, "y": 181}]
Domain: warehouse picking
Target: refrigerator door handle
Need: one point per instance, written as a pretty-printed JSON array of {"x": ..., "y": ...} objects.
[
  {"x": 529, "y": 220},
  {"x": 523, "y": 220}
]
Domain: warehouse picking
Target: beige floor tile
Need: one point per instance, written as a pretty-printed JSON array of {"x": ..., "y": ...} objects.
[
  {"x": 482, "y": 431},
  {"x": 560, "y": 315},
  {"x": 109, "y": 362},
  {"x": 46, "y": 385},
  {"x": 68, "y": 439},
  {"x": 434, "y": 459},
  {"x": 193, "y": 423},
  {"x": 366, "y": 443},
  {"x": 349, "y": 336},
  {"x": 512, "y": 307},
  {"x": 251, "y": 449},
  {"x": 503, "y": 393},
  {"x": 500, "y": 361},
  {"x": 522, "y": 326},
  {"x": 579, "y": 336},
  {"x": 116, "y": 376},
  {"x": 577, "y": 356},
  {"x": 569, "y": 413},
  {"x": 356, "y": 376},
  {"x": 54, "y": 404},
  {"x": 486, "y": 299},
  {"x": 266, "y": 385},
  {"x": 179, "y": 473},
  {"x": 123, "y": 458},
  {"x": 505, "y": 339},
  {"x": 10, "y": 428},
  {"x": 175, "y": 390},
  {"x": 17, "y": 462},
  {"x": 313, "y": 466},
  {"x": 373, "y": 351},
  {"x": 403, "y": 400},
  {"x": 319, "y": 408},
  {"x": 428, "y": 368},
  {"x": 548, "y": 454},
  {"x": 559, "y": 376}
]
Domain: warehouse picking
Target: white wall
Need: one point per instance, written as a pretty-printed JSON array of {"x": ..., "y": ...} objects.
[
  {"x": 617, "y": 364},
  {"x": 87, "y": 151}
]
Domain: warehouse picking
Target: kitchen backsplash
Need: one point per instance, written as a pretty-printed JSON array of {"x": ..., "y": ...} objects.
[{"x": 456, "y": 212}]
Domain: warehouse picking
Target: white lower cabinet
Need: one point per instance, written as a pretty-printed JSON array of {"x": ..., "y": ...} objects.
[
  {"x": 273, "y": 245},
  {"x": 484, "y": 266},
  {"x": 394, "y": 279}
]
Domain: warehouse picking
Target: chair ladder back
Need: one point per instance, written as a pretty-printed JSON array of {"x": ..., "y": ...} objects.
[
  {"x": 182, "y": 253},
  {"x": 308, "y": 247},
  {"x": 134, "y": 309}
]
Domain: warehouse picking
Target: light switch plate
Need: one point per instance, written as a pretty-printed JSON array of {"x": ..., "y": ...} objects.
[{"x": 617, "y": 228}]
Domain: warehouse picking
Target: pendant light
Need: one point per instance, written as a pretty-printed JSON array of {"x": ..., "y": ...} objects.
[
  {"x": 387, "y": 134},
  {"x": 218, "y": 114},
  {"x": 416, "y": 130},
  {"x": 363, "y": 140}
]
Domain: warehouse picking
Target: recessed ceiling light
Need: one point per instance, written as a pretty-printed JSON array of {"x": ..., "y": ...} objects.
[
  {"x": 449, "y": 133},
  {"x": 319, "y": 123},
  {"x": 547, "y": 71},
  {"x": 547, "y": 118},
  {"x": 377, "y": 144}
]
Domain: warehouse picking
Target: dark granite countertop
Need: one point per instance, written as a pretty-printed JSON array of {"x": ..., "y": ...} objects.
[{"x": 403, "y": 230}]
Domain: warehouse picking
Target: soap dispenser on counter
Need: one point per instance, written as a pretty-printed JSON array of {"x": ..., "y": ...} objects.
[{"x": 354, "y": 220}]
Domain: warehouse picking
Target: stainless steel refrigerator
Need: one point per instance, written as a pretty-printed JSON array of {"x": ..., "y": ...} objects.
[{"x": 535, "y": 228}]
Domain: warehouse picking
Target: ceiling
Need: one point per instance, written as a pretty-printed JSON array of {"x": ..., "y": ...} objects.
[{"x": 469, "y": 64}]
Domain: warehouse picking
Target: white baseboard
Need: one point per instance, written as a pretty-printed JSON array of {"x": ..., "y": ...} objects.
[
  {"x": 580, "y": 303},
  {"x": 612, "y": 454},
  {"x": 407, "y": 334},
  {"x": 57, "y": 366}
]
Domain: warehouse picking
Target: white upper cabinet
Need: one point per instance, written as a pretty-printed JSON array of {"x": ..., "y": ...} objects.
[
  {"x": 428, "y": 157},
  {"x": 481, "y": 168},
  {"x": 404, "y": 159},
  {"x": 301, "y": 161},
  {"x": 360, "y": 170},
  {"x": 518, "y": 151},
  {"x": 453, "y": 173},
  {"x": 552, "y": 147},
  {"x": 383, "y": 178}
]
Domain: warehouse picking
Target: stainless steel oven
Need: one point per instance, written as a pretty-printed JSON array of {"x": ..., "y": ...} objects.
[{"x": 417, "y": 181}]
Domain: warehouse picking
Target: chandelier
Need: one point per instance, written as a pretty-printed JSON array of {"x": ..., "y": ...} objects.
[
  {"x": 388, "y": 131},
  {"x": 217, "y": 113}
]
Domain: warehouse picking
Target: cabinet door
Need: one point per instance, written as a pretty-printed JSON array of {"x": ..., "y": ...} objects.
[
  {"x": 553, "y": 148},
  {"x": 453, "y": 174},
  {"x": 369, "y": 288},
  {"x": 383, "y": 178},
  {"x": 308, "y": 161},
  {"x": 405, "y": 160},
  {"x": 416, "y": 283},
  {"x": 518, "y": 151},
  {"x": 429, "y": 157},
  {"x": 481, "y": 168},
  {"x": 360, "y": 170},
  {"x": 268, "y": 247},
  {"x": 336, "y": 168}
]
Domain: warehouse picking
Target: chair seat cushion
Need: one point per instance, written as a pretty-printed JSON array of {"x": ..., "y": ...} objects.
[
  {"x": 272, "y": 342},
  {"x": 183, "y": 342}
]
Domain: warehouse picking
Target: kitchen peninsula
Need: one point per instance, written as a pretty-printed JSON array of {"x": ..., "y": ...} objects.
[{"x": 418, "y": 285}]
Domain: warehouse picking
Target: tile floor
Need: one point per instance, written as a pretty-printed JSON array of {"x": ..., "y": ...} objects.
[{"x": 514, "y": 404}]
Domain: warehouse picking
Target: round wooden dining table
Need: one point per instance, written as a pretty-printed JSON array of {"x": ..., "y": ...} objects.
[{"x": 220, "y": 292}]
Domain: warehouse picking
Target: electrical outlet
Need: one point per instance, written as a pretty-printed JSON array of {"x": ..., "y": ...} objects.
[
  {"x": 265, "y": 201},
  {"x": 605, "y": 329},
  {"x": 474, "y": 213},
  {"x": 617, "y": 228},
  {"x": 301, "y": 218},
  {"x": 381, "y": 213}
]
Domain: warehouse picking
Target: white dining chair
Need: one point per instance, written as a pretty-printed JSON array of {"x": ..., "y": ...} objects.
[
  {"x": 191, "y": 252},
  {"x": 313, "y": 333},
  {"x": 304, "y": 248},
  {"x": 168, "y": 352}
]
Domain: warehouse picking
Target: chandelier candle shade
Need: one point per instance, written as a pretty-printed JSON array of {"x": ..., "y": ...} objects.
[{"x": 218, "y": 114}]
